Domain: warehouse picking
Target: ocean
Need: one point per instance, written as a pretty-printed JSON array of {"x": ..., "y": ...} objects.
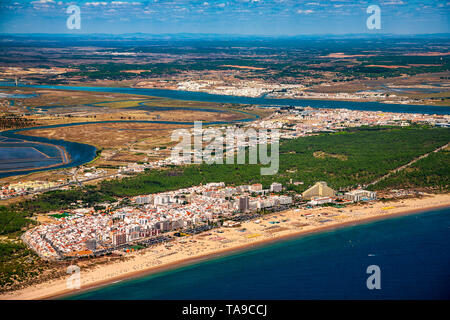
[{"x": 412, "y": 253}]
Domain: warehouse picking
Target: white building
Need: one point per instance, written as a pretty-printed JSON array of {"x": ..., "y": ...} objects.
[
  {"x": 320, "y": 200},
  {"x": 360, "y": 195},
  {"x": 276, "y": 187}
]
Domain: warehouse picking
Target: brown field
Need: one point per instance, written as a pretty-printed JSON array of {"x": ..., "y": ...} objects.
[
  {"x": 408, "y": 81},
  {"x": 136, "y": 115},
  {"x": 134, "y": 71},
  {"x": 386, "y": 66},
  {"x": 18, "y": 71},
  {"x": 323, "y": 155},
  {"x": 424, "y": 65},
  {"x": 78, "y": 106},
  {"x": 108, "y": 135},
  {"x": 68, "y": 98},
  {"x": 242, "y": 67},
  {"x": 427, "y": 54},
  {"x": 343, "y": 55},
  {"x": 52, "y": 175}
]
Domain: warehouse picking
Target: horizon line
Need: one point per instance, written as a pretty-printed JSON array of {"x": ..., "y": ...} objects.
[{"x": 223, "y": 34}]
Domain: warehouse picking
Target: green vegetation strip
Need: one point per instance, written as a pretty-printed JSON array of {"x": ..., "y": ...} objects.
[
  {"x": 432, "y": 172},
  {"x": 17, "y": 263}
]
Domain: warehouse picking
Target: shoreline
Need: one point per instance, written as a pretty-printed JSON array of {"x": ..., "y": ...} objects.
[
  {"x": 56, "y": 289},
  {"x": 243, "y": 248}
]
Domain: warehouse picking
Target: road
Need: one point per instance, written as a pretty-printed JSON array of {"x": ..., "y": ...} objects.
[{"x": 407, "y": 165}]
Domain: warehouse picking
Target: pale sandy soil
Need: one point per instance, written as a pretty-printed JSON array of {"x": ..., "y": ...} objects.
[{"x": 191, "y": 249}]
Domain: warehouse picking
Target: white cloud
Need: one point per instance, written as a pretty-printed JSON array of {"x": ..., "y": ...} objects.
[
  {"x": 394, "y": 2},
  {"x": 42, "y": 1},
  {"x": 95, "y": 4},
  {"x": 305, "y": 11}
]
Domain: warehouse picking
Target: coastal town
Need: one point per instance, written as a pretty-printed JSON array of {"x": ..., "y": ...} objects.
[
  {"x": 257, "y": 89},
  {"x": 292, "y": 123},
  {"x": 151, "y": 219}
]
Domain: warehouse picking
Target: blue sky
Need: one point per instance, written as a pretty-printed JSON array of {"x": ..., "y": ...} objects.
[{"x": 260, "y": 17}]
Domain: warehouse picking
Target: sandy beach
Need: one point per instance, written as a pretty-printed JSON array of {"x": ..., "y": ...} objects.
[{"x": 222, "y": 241}]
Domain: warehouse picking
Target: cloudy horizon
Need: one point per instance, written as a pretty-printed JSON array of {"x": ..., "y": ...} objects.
[{"x": 245, "y": 17}]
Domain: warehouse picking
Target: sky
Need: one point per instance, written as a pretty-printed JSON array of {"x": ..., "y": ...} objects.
[{"x": 246, "y": 17}]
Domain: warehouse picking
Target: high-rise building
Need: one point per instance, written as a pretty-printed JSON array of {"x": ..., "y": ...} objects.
[
  {"x": 320, "y": 189},
  {"x": 163, "y": 225},
  {"x": 360, "y": 195},
  {"x": 91, "y": 244},
  {"x": 243, "y": 204},
  {"x": 119, "y": 238}
]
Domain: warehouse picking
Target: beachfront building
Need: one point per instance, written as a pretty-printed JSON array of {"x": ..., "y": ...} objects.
[
  {"x": 319, "y": 189},
  {"x": 91, "y": 244},
  {"x": 360, "y": 195},
  {"x": 320, "y": 200},
  {"x": 284, "y": 200},
  {"x": 244, "y": 204},
  {"x": 119, "y": 238},
  {"x": 86, "y": 230}
]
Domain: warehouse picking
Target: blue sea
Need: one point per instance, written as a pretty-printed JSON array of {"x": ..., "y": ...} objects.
[{"x": 412, "y": 252}]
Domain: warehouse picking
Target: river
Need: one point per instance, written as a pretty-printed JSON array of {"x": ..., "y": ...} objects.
[{"x": 82, "y": 153}]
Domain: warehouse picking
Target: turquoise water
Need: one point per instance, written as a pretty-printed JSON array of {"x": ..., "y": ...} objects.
[{"x": 413, "y": 253}]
